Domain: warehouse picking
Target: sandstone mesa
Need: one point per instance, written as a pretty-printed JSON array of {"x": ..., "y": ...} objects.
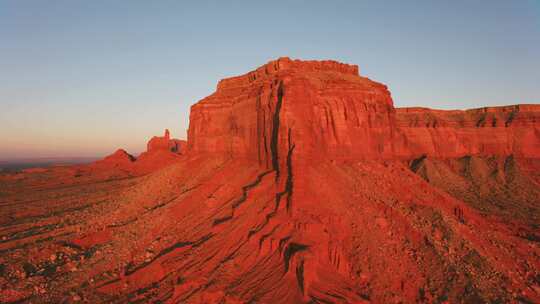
[{"x": 300, "y": 182}]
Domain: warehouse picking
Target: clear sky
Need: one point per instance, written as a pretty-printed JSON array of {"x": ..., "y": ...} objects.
[{"x": 82, "y": 78}]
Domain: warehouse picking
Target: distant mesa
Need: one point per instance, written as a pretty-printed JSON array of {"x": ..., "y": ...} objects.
[
  {"x": 120, "y": 156},
  {"x": 161, "y": 151},
  {"x": 165, "y": 143}
]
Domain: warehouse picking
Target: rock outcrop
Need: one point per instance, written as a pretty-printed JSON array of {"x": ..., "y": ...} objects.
[
  {"x": 120, "y": 158},
  {"x": 166, "y": 143},
  {"x": 325, "y": 106},
  {"x": 333, "y": 113},
  {"x": 161, "y": 151},
  {"x": 501, "y": 131}
]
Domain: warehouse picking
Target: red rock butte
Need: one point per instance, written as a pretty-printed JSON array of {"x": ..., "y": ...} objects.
[
  {"x": 332, "y": 112},
  {"x": 161, "y": 151},
  {"x": 165, "y": 143},
  {"x": 300, "y": 182}
]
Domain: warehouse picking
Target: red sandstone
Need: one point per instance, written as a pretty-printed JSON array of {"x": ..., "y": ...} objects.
[{"x": 161, "y": 151}]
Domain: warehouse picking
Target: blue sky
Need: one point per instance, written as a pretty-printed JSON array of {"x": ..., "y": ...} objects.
[{"x": 82, "y": 78}]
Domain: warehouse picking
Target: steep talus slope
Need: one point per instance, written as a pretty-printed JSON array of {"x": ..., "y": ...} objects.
[
  {"x": 300, "y": 183},
  {"x": 500, "y": 186}
]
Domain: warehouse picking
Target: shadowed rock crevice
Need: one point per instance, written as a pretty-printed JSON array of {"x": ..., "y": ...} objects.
[
  {"x": 290, "y": 251},
  {"x": 131, "y": 268},
  {"x": 274, "y": 140},
  {"x": 243, "y": 197},
  {"x": 289, "y": 181},
  {"x": 300, "y": 275}
]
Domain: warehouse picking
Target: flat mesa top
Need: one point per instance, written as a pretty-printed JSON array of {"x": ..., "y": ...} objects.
[{"x": 285, "y": 63}]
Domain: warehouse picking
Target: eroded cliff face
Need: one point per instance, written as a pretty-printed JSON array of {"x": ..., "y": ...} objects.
[
  {"x": 325, "y": 107},
  {"x": 501, "y": 131},
  {"x": 166, "y": 143},
  {"x": 326, "y": 110}
]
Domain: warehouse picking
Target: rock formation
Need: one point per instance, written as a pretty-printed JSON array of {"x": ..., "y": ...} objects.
[
  {"x": 300, "y": 183},
  {"x": 161, "y": 151},
  {"x": 335, "y": 113},
  {"x": 165, "y": 143},
  {"x": 501, "y": 131},
  {"x": 120, "y": 158}
]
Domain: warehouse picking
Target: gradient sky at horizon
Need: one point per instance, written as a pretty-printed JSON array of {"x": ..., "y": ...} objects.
[{"x": 83, "y": 78}]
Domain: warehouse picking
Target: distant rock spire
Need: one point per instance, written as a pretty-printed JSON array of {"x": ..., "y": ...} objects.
[{"x": 167, "y": 134}]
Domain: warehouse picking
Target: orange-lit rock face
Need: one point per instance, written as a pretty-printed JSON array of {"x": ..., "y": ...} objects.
[
  {"x": 325, "y": 107},
  {"x": 502, "y": 131},
  {"x": 301, "y": 183},
  {"x": 120, "y": 157},
  {"x": 165, "y": 143},
  {"x": 326, "y": 110},
  {"x": 161, "y": 151},
  {"x": 310, "y": 122}
]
